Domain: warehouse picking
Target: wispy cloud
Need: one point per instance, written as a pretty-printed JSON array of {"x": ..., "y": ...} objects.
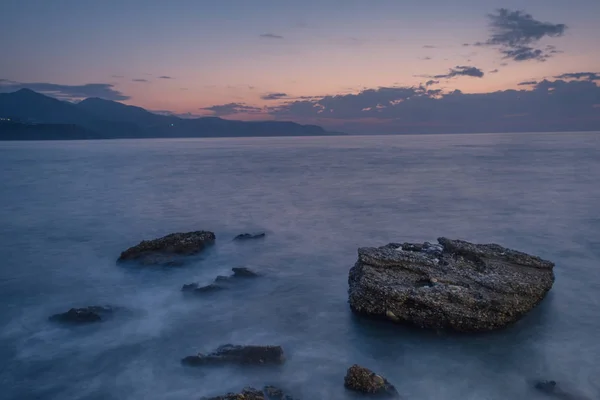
[
  {"x": 590, "y": 76},
  {"x": 117, "y": 76},
  {"x": 271, "y": 36},
  {"x": 232, "y": 108},
  {"x": 165, "y": 77},
  {"x": 429, "y": 46},
  {"x": 273, "y": 96},
  {"x": 494, "y": 71},
  {"x": 66, "y": 92},
  {"x": 461, "y": 70},
  {"x": 140, "y": 80},
  {"x": 431, "y": 82},
  {"x": 527, "y": 83},
  {"x": 517, "y": 33}
]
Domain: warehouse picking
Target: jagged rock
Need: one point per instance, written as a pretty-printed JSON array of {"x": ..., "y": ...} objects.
[
  {"x": 363, "y": 380},
  {"x": 230, "y": 354},
  {"x": 453, "y": 285},
  {"x": 246, "y": 394},
  {"x": 247, "y": 236},
  {"x": 83, "y": 315},
  {"x": 274, "y": 393},
  {"x": 197, "y": 289},
  {"x": 169, "y": 249},
  {"x": 221, "y": 282}
]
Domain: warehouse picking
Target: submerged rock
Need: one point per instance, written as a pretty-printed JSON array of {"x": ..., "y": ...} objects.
[
  {"x": 552, "y": 389},
  {"x": 244, "y": 355},
  {"x": 167, "y": 250},
  {"x": 243, "y": 272},
  {"x": 453, "y": 285},
  {"x": 363, "y": 380},
  {"x": 247, "y": 236},
  {"x": 83, "y": 315},
  {"x": 221, "y": 282}
]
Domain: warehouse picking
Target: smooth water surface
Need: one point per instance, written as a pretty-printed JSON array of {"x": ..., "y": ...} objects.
[{"x": 67, "y": 209}]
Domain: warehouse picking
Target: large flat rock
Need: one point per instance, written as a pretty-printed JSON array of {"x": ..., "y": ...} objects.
[{"x": 453, "y": 285}]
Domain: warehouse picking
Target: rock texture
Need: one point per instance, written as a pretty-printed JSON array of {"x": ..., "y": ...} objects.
[
  {"x": 243, "y": 355},
  {"x": 246, "y": 394},
  {"x": 268, "y": 393},
  {"x": 83, "y": 315},
  {"x": 247, "y": 236},
  {"x": 169, "y": 249},
  {"x": 363, "y": 380},
  {"x": 453, "y": 285}
]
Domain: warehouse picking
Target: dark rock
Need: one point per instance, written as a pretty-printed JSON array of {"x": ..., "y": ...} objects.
[
  {"x": 363, "y": 380},
  {"x": 197, "y": 289},
  {"x": 83, "y": 315},
  {"x": 244, "y": 355},
  {"x": 246, "y": 394},
  {"x": 222, "y": 278},
  {"x": 451, "y": 285},
  {"x": 188, "y": 287},
  {"x": 168, "y": 249},
  {"x": 274, "y": 393},
  {"x": 247, "y": 236},
  {"x": 243, "y": 272},
  {"x": 551, "y": 388}
]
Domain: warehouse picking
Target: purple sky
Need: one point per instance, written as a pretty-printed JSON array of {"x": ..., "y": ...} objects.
[{"x": 382, "y": 65}]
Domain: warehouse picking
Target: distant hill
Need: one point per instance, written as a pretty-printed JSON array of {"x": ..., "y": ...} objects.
[{"x": 96, "y": 118}]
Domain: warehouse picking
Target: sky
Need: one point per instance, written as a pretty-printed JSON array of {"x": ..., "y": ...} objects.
[{"x": 378, "y": 65}]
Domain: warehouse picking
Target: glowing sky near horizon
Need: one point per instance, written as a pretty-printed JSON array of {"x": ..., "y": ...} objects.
[{"x": 226, "y": 51}]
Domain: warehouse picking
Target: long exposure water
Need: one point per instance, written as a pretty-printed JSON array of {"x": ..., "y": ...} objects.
[{"x": 67, "y": 209}]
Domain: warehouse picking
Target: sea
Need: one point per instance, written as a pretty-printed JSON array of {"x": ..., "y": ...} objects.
[{"x": 67, "y": 210}]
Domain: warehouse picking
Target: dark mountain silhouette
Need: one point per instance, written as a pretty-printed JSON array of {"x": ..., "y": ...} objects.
[{"x": 96, "y": 118}]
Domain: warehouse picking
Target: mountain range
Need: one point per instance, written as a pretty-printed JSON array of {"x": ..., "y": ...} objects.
[{"x": 28, "y": 115}]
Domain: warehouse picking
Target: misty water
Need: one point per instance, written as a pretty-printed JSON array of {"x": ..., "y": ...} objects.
[{"x": 67, "y": 209}]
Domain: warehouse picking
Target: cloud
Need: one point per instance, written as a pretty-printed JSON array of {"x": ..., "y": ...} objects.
[
  {"x": 548, "y": 105},
  {"x": 426, "y": 58},
  {"x": 494, "y": 71},
  {"x": 429, "y": 46},
  {"x": 590, "y": 76},
  {"x": 140, "y": 80},
  {"x": 274, "y": 96},
  {"x": 66, "y": 92},
  {"x": 466, "y": 44},
  {"x": 117, "y": 76},
  {"x": 431, "y": 82},
  {"x": 165, "y": 77},
  {"x": 462, "y": 70},
  {"x": 232, "y": 108},
  {"x": 271, "y": 36},
  {"x": 515, "y": 33},
  {"x": 527, "y": 83}
]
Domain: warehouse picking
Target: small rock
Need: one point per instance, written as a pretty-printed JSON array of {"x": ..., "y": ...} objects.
[
  {"x": 274, "y": 393},
  {"x": 244, "y": 355},
  {"x": 363, "y": 380},
  {"x": 243, "y": 272},
  {"x": 247, "y": 236},
  {"x": 188, "y": 287},
  {"x": 167, "y": 250},
  {"x": 83, "y": 315},
  {"x": 246, "y": 394},
  {"x": 551, "y": 388}
]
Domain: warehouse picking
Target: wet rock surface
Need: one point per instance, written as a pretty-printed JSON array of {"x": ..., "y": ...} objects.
[
  {"x": 452, "y": 284},
  {"x": 241, "y": 355},
  {"x": 84, "y": 315},
  {"x": 250, "y": 236},
  {"x": 363, "y": 380},
  {"x": 168, "y": 250}
]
